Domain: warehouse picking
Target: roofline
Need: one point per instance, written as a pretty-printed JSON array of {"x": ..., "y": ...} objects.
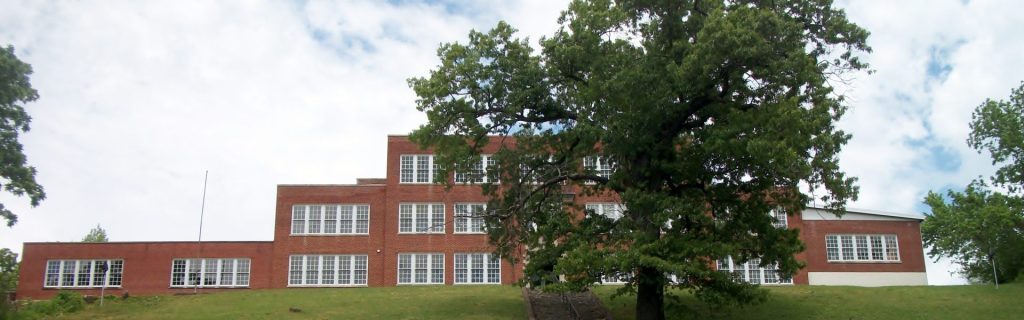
[
  {"x": 331, "y": 185},
  {"x": 149, "y": 242},
  {"x": 877, "y": 213}
]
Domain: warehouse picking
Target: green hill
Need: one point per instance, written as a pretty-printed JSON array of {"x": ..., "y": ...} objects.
[{"x": 505, "y": 302}]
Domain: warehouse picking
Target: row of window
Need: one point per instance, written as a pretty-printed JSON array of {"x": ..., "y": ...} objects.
[
  {"x": 862, "y": 248},
  {"x": 331, "y": 219},
  {"x": 752, "y": 272},
  {"x": 412, "y": 218},
  {"x": 413, "y": 268},
  {"x": 210, "y": 273},
  {"x": 420, "y": 168},
  {"x": 83, "y": 273},
  {"x": 96, "y": 273}
]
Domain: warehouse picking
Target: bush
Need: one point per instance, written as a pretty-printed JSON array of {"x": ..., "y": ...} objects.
[
  {"x": 63, "y": 302},
  {"x": 67, "y": 301}
]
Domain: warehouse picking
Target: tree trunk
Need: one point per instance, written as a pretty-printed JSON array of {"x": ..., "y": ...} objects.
[{"x": 650, "y": 295}]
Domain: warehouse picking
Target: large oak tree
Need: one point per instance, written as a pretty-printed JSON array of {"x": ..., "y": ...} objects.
[
  {"x": 16, "y": 176},
  {"x": 699, "y": 116}
]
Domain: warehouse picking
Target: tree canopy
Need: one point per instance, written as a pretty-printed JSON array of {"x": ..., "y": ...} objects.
[
  {"x": 16, "y": 176},
  {"x": 97, "y": 234},
  {"x": 977, "y": 228},
  {"x": 998, "y": 127},
  {"x": 699, "y": 116},
  {"x": 982, "y": 229}
]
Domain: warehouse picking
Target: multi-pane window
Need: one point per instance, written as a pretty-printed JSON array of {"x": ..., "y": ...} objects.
[
  {"x": 330, "y": 219},
  {"x": 327, "y": 270},
  {"x": 416, "y": 168},
  {"x": 861, "y": 247},
  {"x": 477, "y": 268},
  {"x": 469, "y": 217},
  {"x": 478, "y": 172},
  {"x": 779, "y": 218},
  {"x": 83, "y": 273},
  {"x": 610, "y": 210},
  {"x": 601, "y": 166},
  {"x": 752, "y": 272},
  {"x": 210, "y": 272},
  {"x": 421, "y": 218},
  {"x": 420, "y": 268}
]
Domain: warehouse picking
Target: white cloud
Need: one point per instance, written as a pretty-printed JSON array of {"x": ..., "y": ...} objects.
[{"x": 139, "y": 98}]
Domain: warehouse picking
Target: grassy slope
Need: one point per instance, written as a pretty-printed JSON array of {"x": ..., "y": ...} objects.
[
  {"x": 505, "y": 302},
  {"x": 420, "y": 302},
  {"x": 814, "y": 302}
]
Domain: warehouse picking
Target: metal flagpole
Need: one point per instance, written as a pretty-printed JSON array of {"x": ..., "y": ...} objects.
[{"x": 199, "y": 242}]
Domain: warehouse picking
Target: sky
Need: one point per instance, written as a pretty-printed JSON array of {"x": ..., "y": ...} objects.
[{"x": 138, "y": 99}]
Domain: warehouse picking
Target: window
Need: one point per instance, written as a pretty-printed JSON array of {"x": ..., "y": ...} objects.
[
  {"x": 478, "y": 173},
  {"x": 779, "y": 218},
  {"x": 421, "y": 218},
  {"x": 210, "y": 273},
  {"x": 861, "y": 248},
  {"x": 601, "y": 166},
  {"x": 420, "y": 268},
  {"x": 327, "y": 270},
  {"x": 752, "y": 272},
  {"x": 83, "y": 273},
  {"x": 469, "y": 217},
  {"x": 330, "y": 219},
  {"x": 416, "y": 169},
  {"x": 477, "y": 268},
  {"x": 610, "y": 210}
]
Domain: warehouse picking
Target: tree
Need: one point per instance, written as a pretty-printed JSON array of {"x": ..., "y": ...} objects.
[
  {"x": 16, "y": 176},
  {"x": 977, "y": 228},
  {"x": 998, "y": 126},
  {"x": 699, "y": 116},
  {"x": 8, "y": 279},
  {"x": 97, "y": 234}
]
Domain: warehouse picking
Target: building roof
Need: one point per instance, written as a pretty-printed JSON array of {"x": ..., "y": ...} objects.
[{"x": 914, "y": 216}]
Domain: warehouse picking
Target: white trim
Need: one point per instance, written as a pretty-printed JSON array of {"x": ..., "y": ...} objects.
[
  {"x": 433, "y": 226},
  {"x": 63, "y": 271},
  {"x": 322, "y": 220},
  {"x": 201, "y": 273},
  {"x": 485, "y": 268},
  {"x": 412, "y": 268},
  {"x": 469, "y": 219},
  {"x": 336, "y": 270},
  {"x": 867, "y": 279},
  {"x": 415, "y": 170}
]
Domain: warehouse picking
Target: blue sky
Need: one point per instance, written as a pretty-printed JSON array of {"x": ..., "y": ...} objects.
[{"x": 138, "y": 98}]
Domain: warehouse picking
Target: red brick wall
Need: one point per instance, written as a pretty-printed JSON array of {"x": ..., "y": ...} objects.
[
  {"x": 908, "y": 235},
  {"x": 147, "y": 265}
]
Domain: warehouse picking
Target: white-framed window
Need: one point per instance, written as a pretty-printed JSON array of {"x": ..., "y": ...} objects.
[
  {"x": 779, "y": 218},
  {"x": 310, "y": 219},
  {"x": 601, "y": 166},
  {"x": 617, "y": 278},
  {"x": 477, "y": 268},
  {"x": 862, "y": 248},
  {"x": 210, "y": 273},
  {"x": 416, "y": 168},
  {"x": 421, "y": 218},
  {"x": 469, "y": 217},
  {"x": 327, "y": 270},
  {"x": 420, "y": 268},
  {"x": 478, "y": 173},
  {"x": 610, "y": 209},
  {"x": 752, "y": 272},
  {"x": 81, "y": 273}
]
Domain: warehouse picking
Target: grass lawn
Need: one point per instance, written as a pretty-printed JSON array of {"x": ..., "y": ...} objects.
[
  {"x": 816, "y": 302},
  {"x": 409, "y": 302}
]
